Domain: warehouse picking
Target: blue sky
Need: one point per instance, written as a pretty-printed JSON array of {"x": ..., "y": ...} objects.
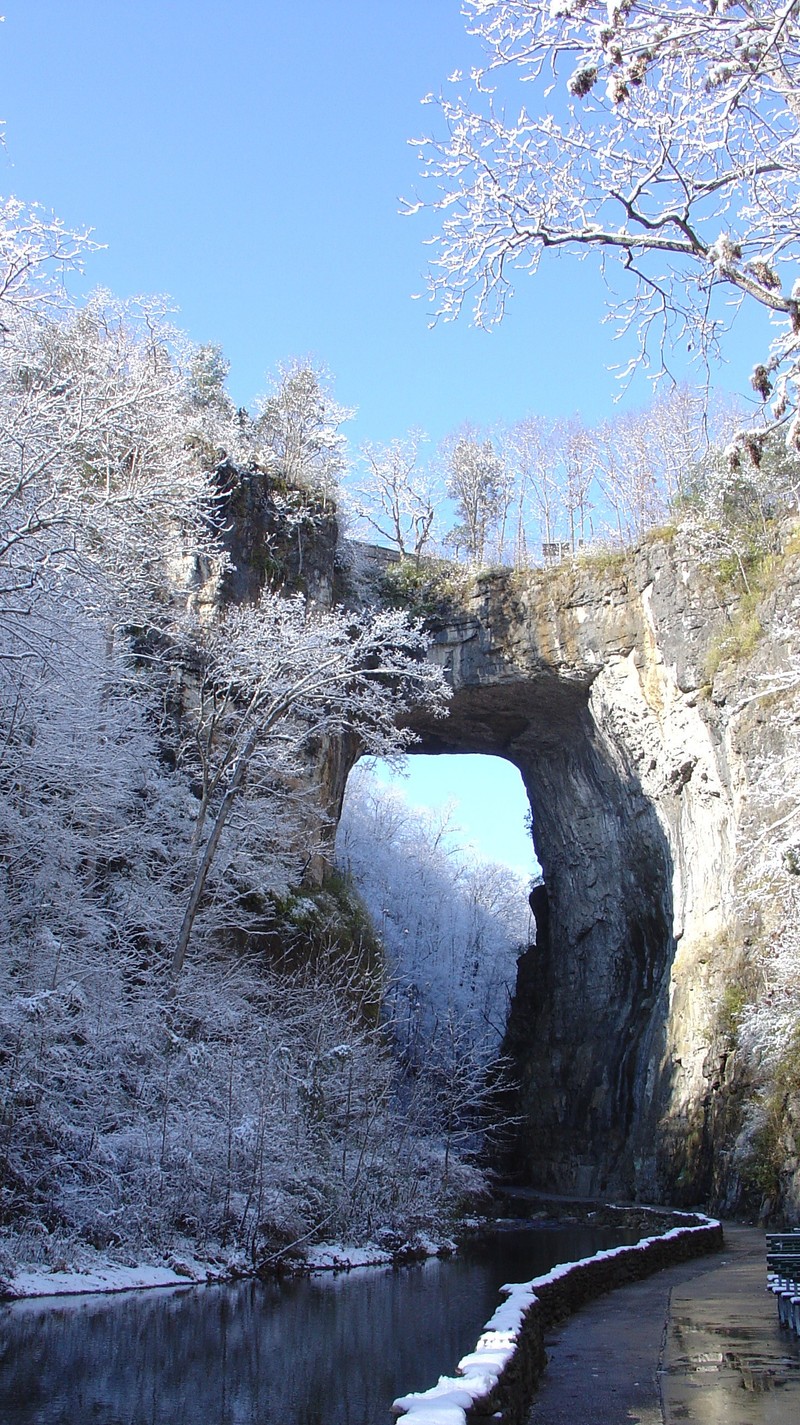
[
  {"x": 249, "y": 160},
  {"x": 490, "y": 804}
]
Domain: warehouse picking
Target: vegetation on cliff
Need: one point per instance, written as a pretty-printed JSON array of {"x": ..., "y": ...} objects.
[
  {"x": 201, "y": 1037},
  {"x": 186, "y": 1052}
]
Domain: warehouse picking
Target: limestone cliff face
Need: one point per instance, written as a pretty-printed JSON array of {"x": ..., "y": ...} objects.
[
  {"x": 276, "y": 537},
  {"x": 639, "y": 747},
  {"x": 594, "y": 681}
]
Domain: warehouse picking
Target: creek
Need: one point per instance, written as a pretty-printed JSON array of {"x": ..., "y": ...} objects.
[{"x": 330, "y": 1348}]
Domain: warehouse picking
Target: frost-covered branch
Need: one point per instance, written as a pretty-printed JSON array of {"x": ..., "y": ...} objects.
[
  {"x": 396, "y": 496},
  {"x": 289, "y": 674},
  {"x": 664, "y": 134}
]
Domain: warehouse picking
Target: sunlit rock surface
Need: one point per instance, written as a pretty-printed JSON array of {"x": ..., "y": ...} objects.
[
  {"x": 593, "y": 680},
  {"x": 638, "y": 754}
]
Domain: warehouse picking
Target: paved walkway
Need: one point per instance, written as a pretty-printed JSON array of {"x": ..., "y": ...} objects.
[{"x": 698, "y": 1342}]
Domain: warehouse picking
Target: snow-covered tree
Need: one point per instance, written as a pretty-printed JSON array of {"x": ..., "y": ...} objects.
[
  {"x": 552, "y": 463},
  {"x": 297, "y": 430},
  {"x": 532, "y": 449},
  {"x": 154, "y": 780},
  {"x": 617, "y": 480},
  {"x": 477, "y": 480},
  {"x": 579, "y": 475},
  {"x": 665, "y": 135},
  {"x": 451, "y": 925},
  {"x": 100, "y": 500},
  {"x": 208, "y": 371},
  {"x": 628, "y": 475},
  {"x": 397, "y": 496},
  {"x": 451, "y": 922},
  {"x": 248, "y": 1105},
  {"x": 735, "y": 512},
  {"x": 278, "y": 676}
]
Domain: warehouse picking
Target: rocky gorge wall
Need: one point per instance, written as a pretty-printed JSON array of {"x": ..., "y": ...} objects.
[
  {"x": 622, "y": 690},
  {"x": 595, "y": 680}
]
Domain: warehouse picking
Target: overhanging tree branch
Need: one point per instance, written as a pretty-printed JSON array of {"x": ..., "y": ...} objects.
[{"x": 685, "y": 114}]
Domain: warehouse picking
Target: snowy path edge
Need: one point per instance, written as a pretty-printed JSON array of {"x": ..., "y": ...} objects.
[{"x": 499, "y": 1375}]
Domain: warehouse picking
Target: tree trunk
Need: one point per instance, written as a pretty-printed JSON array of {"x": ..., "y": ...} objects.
[{"x": 210, "y": 851}]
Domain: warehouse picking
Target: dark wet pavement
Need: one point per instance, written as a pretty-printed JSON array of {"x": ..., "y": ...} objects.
[
  {"x": 726, "y": 1360},
  {"x": 697, "y": 1343}
]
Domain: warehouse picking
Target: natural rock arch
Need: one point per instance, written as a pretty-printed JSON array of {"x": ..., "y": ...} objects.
[
  {"x": 590, "y": 1005},
  {"x": 589, "y": 682},
  {"x": 592, "y": 679}
]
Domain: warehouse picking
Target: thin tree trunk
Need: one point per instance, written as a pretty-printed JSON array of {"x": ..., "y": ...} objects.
[{"x": 210, "y": 851}]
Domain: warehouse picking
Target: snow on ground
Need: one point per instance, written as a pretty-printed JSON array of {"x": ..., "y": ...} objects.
[
  {"x": 338, "y": 1256},
  {"x": 107, "y": 1276},
  {"x": 36, "y": 1281},
  {"x": 334, "y": 1256}
]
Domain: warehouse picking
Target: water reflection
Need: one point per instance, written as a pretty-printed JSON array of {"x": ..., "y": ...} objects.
[{"x": 332, "y": 1349}]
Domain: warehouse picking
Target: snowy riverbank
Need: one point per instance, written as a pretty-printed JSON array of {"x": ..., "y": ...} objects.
[
  {"x": 84, "y": 1271},
  {"x": 105, "y": 1275}
]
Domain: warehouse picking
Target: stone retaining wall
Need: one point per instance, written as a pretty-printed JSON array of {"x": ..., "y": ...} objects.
[{"x": 498, "y": 1379}]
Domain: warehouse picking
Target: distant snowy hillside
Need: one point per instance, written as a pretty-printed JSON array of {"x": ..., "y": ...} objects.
[{"x": 452, "y": 924}]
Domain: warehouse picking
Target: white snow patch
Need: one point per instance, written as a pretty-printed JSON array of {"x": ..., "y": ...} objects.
[
  {"x": 338, "y": 1256},
  {"x": 38, "y": 1282},
  {"x": 341, "y": 1256}
]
